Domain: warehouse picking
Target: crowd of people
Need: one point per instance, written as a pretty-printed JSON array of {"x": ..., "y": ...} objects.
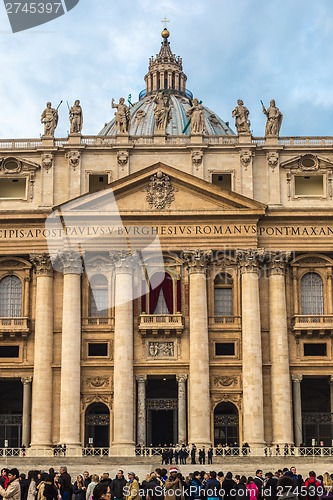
[{"x": 162, "y": 484}]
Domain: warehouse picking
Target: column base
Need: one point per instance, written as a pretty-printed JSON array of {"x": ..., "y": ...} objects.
[{"x": 122, "y": 450}]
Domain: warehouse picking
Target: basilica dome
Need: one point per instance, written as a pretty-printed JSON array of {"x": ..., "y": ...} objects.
[{"x": 166, "y": 77}]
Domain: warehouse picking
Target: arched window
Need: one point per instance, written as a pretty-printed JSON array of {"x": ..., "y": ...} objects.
[
  {"x": 312, "y": 294},
  {"x": 223, "y": 304},
  {"x": 98, "y": 296},
  {"x": 10, "y": 297}
]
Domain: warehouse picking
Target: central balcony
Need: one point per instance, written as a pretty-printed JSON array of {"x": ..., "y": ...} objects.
[
  {"x": 161, "y": 323},
  {"x": 314, "y": 324}
]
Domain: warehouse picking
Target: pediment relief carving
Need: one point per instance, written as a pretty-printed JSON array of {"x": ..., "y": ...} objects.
[
  {"x": 307, "y": 163},
  {"x": 13, "y": 165}
]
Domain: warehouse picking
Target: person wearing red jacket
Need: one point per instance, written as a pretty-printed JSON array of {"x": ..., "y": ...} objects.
[{"x": 313, "y": 487}]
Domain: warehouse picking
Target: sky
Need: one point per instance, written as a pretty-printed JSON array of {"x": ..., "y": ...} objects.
[{"x": 239, "y": 49}]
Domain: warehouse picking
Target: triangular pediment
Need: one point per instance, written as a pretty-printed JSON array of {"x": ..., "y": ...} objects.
[{"x": 161, "y": 190}]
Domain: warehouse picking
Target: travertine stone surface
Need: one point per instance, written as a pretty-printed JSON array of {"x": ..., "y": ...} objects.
[
  {"x": 253, "y": 412},
  {"x": 280, "y": 376},
  {"x": 41, "y": 413}
]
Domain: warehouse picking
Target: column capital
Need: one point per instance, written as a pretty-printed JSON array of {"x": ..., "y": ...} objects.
[
  {"x": 278, "y": 262},
  {"x": 26, "y": 380},
  {"x": 141, "y": 378},
  {"x": 197, "y": 260},
  {"x": 42, "y": 264},
  {"x": 123, "y": 261},
  {"x": 250, "y": 260},
  {"x": 297, "y": 378},
  {"x": 70, "y": 261},
  {"x": 181, "y": 378}
]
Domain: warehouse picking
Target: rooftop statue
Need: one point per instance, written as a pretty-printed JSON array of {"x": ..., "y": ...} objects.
[
  {"x": 76, "y": 118},
  {"x": 50, "y": 120},
  {"x": 122, "y": 116},
  {"x": 274, "y": 119},
  {"x": 197, "y": 114},
  {"x": 241, "y": 115},
  {"x": 162, "y": 111}
]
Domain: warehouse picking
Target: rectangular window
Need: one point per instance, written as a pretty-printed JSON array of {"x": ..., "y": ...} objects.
[
  {"x": 315, "y": 349},
  {"x": 225, "y": 349},
  {"x": 9, "y": 351},
  {"x": 222, "y": 180},
  {"x": 97, "y": 182},
  {"x": 309, "y": 185},
  {"x": 223, "y": 302},
  {"x": 98, "y": 349},
  {"x": 13, "y": 188}
]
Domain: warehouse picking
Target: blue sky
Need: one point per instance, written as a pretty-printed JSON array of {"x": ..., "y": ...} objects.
[{"x": 248, "y": 49}]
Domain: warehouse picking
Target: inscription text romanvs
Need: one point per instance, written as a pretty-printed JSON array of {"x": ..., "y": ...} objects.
[{"x": 227, "y": 230}]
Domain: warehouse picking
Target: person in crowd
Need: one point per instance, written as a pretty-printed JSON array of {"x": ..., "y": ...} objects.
[
  {"x": 313, "y": 487},
  {"x": 94, "y": 481},
  {"x": 172, "y": 484},
  {"x": 132, "y": 489},
  {"x": 106, "y": 478},
  {"x": 252, "y": 489},
  {"x": 79, "y": 489},
  {"x": 13, "y": 488},
  {"x": 101, "y": 492},
  {"x": 117, "y": 486},
  {"x": 259, "y": 481},
  {"x": 65, "y": 482},
  {"x": 212, "y": 487},
  {"x": 241, "y": 490},
  {"x": 271, "y": 486},
  {"x": 50, "y": 491},
  {"x": 229, "y": 487},
  {"x": 195, "y": 486},
  {"x": 33, "y": 481},
  {"x": 24, "y": 482},
  {"x": 41, "y": 485},
  {"x": 287, "y": 488},
  {"x": 327, "y": 486}
]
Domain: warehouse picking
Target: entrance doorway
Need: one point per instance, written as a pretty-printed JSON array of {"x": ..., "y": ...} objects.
[
  {"x": 226, "y": 424},
  {"x": 97, "y": 428},
  {"x": 162, "y": 410},
  {"x": 11, "y": 413},
  {"x": 316, "y": 411}
]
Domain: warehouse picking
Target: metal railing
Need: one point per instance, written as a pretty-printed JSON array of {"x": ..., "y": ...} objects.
[{"x": 156, "y": 451}]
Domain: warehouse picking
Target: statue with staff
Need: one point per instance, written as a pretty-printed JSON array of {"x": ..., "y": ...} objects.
[
  {"x": 274, "y": 119},
  {"x": 50, "y": 119}
]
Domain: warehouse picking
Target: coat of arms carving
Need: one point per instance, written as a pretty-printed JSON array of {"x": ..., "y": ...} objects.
[{"x": 160, "y": 192}]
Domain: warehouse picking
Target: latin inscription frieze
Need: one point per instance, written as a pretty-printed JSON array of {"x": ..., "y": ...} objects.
[{"x": 168, "y": 230}]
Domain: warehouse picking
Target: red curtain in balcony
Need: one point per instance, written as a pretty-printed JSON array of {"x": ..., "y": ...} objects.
[{"x": 167, "y": 289}]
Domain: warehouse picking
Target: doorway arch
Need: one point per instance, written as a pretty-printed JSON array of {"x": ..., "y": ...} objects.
[
  {"x": 97, "y": 426},
  {"x": 226, "y": 424}
]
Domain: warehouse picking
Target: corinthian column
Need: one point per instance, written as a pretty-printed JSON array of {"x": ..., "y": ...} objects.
[
  {"x": 297, "y": 400},
  {"x": 41, "y": 412},
  {"x": 253, "y": 414},
  {"x": 70, "y": 350},
  {"x": 199, "y": 394},
  {"x": 26, "y": 417},
  {"x": 123, "y": 403},
  {"x": 181, "y": 379},
  {"x": 141, "y": 437},
  {"x": 278, "y": 332}
]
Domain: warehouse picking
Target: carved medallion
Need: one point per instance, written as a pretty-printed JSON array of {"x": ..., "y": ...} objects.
[
  {"x": 224, "y": 381},
  {"x": 160, "y": 193},
  {"x": 98, "y": 382}
]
